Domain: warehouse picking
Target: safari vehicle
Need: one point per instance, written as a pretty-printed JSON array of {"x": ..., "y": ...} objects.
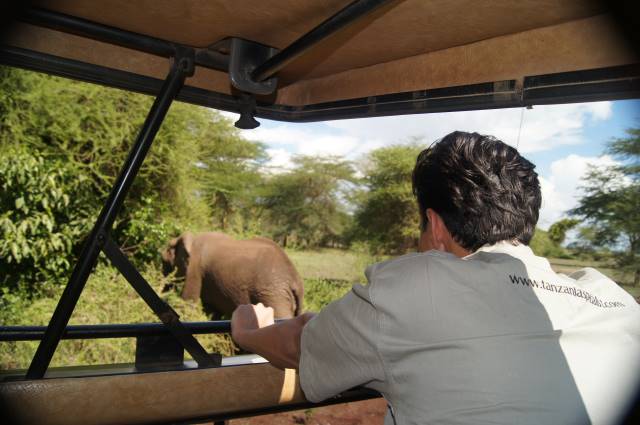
[{"x": 288, "y": 60}]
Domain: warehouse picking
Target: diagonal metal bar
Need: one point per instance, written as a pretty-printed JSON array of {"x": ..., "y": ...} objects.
[
  {"x": 173, "y": 83},
  {"x": 167, "y": 315},
  {"x": 335, "y": 23}
]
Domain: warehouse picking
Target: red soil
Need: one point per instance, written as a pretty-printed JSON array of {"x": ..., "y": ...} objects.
[{"x": 368, "y": 412}]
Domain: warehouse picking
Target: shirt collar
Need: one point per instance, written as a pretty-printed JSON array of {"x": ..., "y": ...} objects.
[{"x": 514, "y": 249}]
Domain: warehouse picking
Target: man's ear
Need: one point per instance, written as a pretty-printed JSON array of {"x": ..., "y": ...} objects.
[{"x": 439, "y": 232}]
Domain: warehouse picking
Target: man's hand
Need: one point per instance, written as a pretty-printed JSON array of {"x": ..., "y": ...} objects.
[
  {"x": 253, "y": 328},
  {"x": 249, "y": 317}
]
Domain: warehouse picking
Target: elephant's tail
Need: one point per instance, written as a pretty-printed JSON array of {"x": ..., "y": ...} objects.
[{"x": 298, "y": 297}]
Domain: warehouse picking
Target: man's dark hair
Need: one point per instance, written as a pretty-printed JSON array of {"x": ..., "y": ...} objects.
[{"x": 482, "y": 188}]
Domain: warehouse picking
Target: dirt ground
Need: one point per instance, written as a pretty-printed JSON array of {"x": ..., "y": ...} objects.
[{"x": 359, "y": 413}]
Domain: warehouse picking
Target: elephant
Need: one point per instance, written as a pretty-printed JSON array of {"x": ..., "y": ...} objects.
[{"x": 224, "y": 273}]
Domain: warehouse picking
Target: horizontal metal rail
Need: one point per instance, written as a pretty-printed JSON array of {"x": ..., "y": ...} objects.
[
  {"x": 614, "y": 83},
  {"x": 144, "y": 43},
  {"x": 133, "y": 330}
]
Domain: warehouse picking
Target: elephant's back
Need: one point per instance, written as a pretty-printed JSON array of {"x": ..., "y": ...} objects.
[{"x": 254, "y": 270}]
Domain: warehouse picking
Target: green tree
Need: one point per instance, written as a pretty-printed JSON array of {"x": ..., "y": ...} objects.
[
  {"x": 544, "y": 246},
  {"x": 89, "y": 129},
  {"x": 611, "y": 203},
  {"x": 558, "y": 230},
  {"x": 47, "y": 214},
  {"x": 306, "y": 206},
  {"x": 387, "y": 216},
  {"x": 230, "y": 174}
]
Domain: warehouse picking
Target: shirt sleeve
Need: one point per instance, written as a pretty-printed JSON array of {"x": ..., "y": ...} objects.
[{"x": 338, "y": 349}]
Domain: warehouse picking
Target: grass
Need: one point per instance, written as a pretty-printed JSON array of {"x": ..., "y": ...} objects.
[
  {"x": 328, "y": 274},
  {"x": 107, "y": 298},
  {"x": 622, "y": 278},
  {"x": 332, "y": 264}
]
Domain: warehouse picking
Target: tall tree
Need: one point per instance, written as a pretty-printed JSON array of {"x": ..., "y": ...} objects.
[
  {"x": 387, "y": 216},
  {"x": 230, "y": 174},
  {"x": 611, "y": 204},
  {"x": 306, "y": 206},
  {"x": 558, "y": 230},
  {"x": 85, "y": 131}
]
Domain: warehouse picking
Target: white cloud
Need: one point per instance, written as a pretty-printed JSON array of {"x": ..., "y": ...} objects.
[
  {"x": 561, "y": 188},
  {"x": 280, "y": 160},
  {"x": 599, "y": 110},
  {"x": 303, "y": 141},
  {"x": 543, "y": 127},
  {"x": 284, "y": 141},
  {"x": 230, "y": 115}
]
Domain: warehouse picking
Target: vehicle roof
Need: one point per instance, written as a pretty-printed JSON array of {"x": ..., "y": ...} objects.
[{"x": 404, "y": 46}]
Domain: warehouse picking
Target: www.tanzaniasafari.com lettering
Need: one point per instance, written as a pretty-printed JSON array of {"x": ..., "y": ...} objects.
[{"x": 561, "y": 289}]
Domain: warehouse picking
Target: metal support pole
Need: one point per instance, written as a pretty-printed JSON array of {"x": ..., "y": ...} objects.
[
  {"x": 167, "y": 315},
  {"x": 181, "y": 68},
  {"x": 340, "y": 20}
]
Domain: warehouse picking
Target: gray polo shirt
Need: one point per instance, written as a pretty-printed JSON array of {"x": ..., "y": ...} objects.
[{"x": 495, "y": 337}]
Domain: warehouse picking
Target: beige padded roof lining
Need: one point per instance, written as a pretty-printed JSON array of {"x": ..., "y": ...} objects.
[{"x": 403, "y": 46}]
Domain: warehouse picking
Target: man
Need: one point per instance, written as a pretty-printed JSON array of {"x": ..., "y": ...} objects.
[{"x": 474, "y": 328}]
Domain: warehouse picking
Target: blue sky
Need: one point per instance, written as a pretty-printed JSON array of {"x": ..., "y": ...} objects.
[{"x": 560, "y": 139}]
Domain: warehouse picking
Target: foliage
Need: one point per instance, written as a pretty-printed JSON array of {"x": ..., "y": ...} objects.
[
  {"x": 305, "y": 207},
  {"x": 85, "y": 131},
  {"x": 143, "y": 234},
  {"x": 107, "y": 298},
  {"x": 333, "y": 264},
  {"x": 611, "y": 204},
  {"x": 318, "y": 293},
  {"x": 543, "y": 246},
  {"x": 387, "y": 216},
  {"x": 228, "y": 169},
  {"x": 558, "y": 230},
  {"x": 43, "y": 213}
]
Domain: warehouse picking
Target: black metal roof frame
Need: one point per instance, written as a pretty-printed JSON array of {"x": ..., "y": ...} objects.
[{"x": 613, "y": 83}]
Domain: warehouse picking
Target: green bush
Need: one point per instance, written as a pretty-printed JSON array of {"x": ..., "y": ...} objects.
[
  {"x": 318, "y": 293},
  {"x": 107, "y": 298},
  {"x": 143, "y": 233},
  {"x": 542, "y": 245},
  {"x": 63, "y": 143},
  {"x": 44, "y": 211}
]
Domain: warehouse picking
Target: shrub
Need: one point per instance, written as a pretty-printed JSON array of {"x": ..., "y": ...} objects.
[
  {"x": 107, "y": 298},
  {"x": 44, "y": 211}
]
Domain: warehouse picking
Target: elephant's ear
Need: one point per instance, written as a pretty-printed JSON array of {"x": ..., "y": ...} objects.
[{"x": 187, "y": 242}]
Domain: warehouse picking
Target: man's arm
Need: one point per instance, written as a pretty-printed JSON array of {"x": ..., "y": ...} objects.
[{"x": 253, "y": 329}]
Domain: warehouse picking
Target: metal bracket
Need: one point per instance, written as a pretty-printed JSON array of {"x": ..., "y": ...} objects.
[
  {"x": 185, "y": 59},
  {"x": 158, "y": 352},
  {"x": 245, "y": 57}
]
